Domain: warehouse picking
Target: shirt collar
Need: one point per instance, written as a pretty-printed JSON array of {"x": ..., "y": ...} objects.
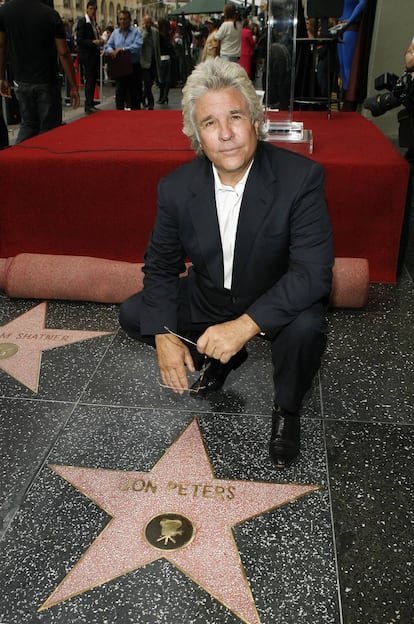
[{"x": 239, "y": 188}]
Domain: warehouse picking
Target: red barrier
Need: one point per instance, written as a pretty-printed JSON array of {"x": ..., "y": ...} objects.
[
  {"x": 77, "y": 71},
  {"x": 79, "y": 83}
]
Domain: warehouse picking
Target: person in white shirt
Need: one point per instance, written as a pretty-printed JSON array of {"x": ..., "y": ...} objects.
[{"x": 229, "y": 35}]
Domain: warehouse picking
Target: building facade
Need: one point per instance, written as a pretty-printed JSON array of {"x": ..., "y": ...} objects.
[{"x": 108, "y": 10}]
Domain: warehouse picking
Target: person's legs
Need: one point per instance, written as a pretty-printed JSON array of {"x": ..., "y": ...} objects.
[
  {"x": 49, "y": 105},
  {"x": 296, "y": 355},
  {"x": 120, "y": 92},
  {"x": 345, "y": 55},
  {"x": 215, "y": 375},
  {"x": 148, "y": 79},
  {"x": 146, "y": 85},
  {"x": 91, "y": 73},
  {"x": 130, "y": 320},
  {"x": 167, "y": 80},
  {"x": 162, "y": 89},
  {"x": 30, "y": 124},
  {"x": 162, "y": 81},
  {"x": 4, "y": 133},
  {"x": 135, "y": 87}
]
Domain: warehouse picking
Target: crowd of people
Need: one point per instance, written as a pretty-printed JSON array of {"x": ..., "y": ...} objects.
[
  {"x": 171, "y": 48},
  {"x": 135, "y": 57}
]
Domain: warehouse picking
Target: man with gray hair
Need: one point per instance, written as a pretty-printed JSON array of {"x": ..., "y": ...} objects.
[{"x": 252, "y": 220}]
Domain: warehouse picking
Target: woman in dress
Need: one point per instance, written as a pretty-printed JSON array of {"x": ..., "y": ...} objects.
[{"x": 347, "y": 30}]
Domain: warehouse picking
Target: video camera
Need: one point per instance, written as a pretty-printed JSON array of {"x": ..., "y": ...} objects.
[{"x": 400, "y": 93}]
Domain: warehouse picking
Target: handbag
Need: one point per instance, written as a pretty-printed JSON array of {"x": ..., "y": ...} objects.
[{"x": 119, "y": 65}]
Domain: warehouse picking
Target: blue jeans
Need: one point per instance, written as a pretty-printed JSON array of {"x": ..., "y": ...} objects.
[
  {"x": 40, "y": 108},
  {"x": 233, "y": 59}
]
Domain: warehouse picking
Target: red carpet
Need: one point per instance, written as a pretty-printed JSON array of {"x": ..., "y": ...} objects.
[{"x": 89, "y": 188}]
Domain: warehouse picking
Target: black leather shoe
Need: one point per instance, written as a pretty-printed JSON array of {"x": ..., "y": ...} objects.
[
  {"x": 285, "y": 438},
  {"x": 216, "y": 374},
  {"x": 91, "y": 110}
]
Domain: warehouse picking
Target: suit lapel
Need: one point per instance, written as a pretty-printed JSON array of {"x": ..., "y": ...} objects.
[
  {"x": 203, "y": 214},
  {"x": 257, "y": 201}
]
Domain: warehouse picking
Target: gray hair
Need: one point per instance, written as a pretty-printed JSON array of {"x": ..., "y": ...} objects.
[{"x": 216, "y": 74}]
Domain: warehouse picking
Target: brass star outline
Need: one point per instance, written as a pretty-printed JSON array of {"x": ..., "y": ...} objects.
[
  {"x": 181, "y": 482},
  {"x": 23, "y": 340}
]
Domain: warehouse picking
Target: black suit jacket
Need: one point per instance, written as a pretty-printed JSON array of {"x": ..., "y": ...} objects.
[
  {"x": 88, "y": 51},
  {"x": 283, "y": 253}
]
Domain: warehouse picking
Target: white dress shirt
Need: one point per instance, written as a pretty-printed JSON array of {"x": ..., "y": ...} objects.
[{"x": 228, "y": 202}]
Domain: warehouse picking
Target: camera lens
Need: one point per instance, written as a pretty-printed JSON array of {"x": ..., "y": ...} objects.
[{"x": 380, "y": 104}]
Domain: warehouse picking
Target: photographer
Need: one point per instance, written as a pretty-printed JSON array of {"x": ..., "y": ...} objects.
[
  {"x": 409, "y": 66},
  {"x": 409, "y": 58},
  {"x": 399, "y": 92}
]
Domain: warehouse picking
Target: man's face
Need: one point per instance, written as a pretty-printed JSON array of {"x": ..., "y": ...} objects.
[
  {"x": 124, "y": 21},
  {"x": 91, "y": 10},
  {"x": 227, "y": 134},
  {"x": 147, "y": 22}
]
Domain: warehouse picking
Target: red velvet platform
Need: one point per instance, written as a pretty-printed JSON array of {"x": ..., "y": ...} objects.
[{"x": 89, "y": 188}]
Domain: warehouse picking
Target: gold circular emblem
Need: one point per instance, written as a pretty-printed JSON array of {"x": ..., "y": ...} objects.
[
  {"x": 7, "y": 350},
  {"x": 169, "y": 531}
]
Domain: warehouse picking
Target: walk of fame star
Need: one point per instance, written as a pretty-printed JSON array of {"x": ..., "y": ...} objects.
[
  {"x": 23, "y": 340},
  {"x": 178, "y": 510}
]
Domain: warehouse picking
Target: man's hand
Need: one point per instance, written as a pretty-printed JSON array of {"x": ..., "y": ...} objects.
[
  {"x": 5, "y": 89},
  {"x": 74, "y": 97},
  {"x": 173, "y": 358},
  {"x": 223, "y": 341}
]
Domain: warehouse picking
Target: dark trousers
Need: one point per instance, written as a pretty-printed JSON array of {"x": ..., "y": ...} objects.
[
  {"x": 91, "y": 66},
  {"x": 40, "y": 109},
  {"x": 148, "y": 77},
  {"x": 128, "y": 90},
  {"x": 165, "y": 80},
  {"x": 4, "y": 133},
  {"x": 296, "y": 349}
]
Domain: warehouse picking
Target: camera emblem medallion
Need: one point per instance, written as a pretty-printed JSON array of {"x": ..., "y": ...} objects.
[{"x": 169, "y": 531}]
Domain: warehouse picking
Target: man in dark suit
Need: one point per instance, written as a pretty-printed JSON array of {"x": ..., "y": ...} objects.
[
  {"x": 89, "y": 42},
  {"x": 253, "y": 221}
]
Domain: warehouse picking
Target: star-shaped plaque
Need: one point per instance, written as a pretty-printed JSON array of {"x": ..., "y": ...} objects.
[
  {"x": 23, "y": 340},
  {"x": 178, "y": 510}
]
